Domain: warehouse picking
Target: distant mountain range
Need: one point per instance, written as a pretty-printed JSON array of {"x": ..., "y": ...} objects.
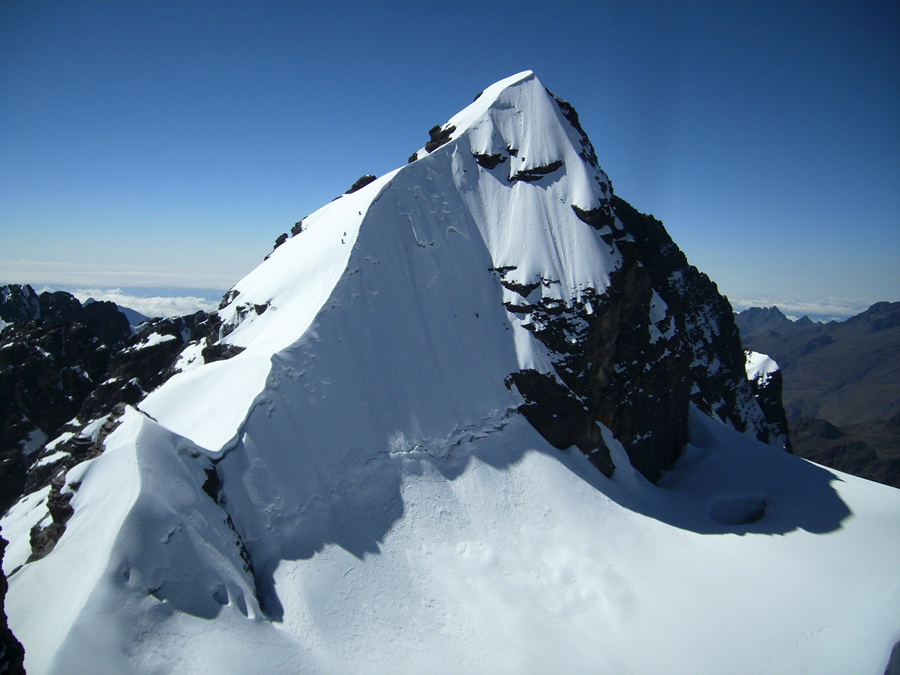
[{"x": 841, "y": 385}]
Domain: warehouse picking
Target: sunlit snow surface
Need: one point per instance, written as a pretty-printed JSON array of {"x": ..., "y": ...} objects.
[
  {"x": 760, "y": 366},
  {"x": 401, "y": 516}
]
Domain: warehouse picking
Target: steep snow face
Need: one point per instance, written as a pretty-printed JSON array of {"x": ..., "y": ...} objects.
[
  {"x": 412, "y": 349},
  {"x": 532, "y": 225},
  {"x": 439, "y": 234}
]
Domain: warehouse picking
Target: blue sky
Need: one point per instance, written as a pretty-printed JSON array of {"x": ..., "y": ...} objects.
[{"x": 169, "y": 143}]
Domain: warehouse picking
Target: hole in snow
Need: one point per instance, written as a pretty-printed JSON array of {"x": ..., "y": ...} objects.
[
  {"x": 738, "y": 509},
  {"x": 219, "y": 594},
  {"x": 241, "y": 604}
]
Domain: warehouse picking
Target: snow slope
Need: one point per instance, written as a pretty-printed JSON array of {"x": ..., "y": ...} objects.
[
  {"x": 400, "y": 514},
  {"x": 760, "y": 366}
]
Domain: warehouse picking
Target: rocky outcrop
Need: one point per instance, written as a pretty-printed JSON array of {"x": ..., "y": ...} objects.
[
  {"x": 360, "y": 183},
  {"x": 67, "y": 372},
  {"x": 70, "y": 453},
  {"x": 634, "y": 357},
  {"x": 767, "y": 388},
  {"x": 64, "y": 364},
  {"x": 637, "y": 356},
  {"x": 535, "y": 173},
  {"x": 438, "y": 136},
  {"x": 18, "y": 303},
  {"x": 148, "y": 359},
  {"x": 46, "y": 371},
  {"x": 12, "y": 654},
  {"x": 489, "y": 162}
]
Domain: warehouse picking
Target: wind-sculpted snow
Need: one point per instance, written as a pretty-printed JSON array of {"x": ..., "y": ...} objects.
[
  {"x": 442, "y": 219},
  {"x": 361, "y": 490},
  {"x": 486, "y": 551}
]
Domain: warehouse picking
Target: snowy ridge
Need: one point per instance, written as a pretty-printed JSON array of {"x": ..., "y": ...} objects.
[
  {"x": 357, "y": 492},
  {"x": 528, "y": 229}
]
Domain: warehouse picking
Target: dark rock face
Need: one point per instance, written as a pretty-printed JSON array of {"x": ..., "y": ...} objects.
[
  {"x": 538, "y": 172},
  {"x": 637, "y": 377},
  {"x": 70, "y": 366},
  {"x": 634, "y": 357},
  {"x": 62, "y": 365},
  {"x": 489, "y": 161},
  {"x": 767, "y": 392},
  {"x": 438, "y": 137},
  {"x": 148, "y": 359},
  {"x": 60, "y": 308},
  {"x": 19, "y": 303},
  {"x": 597, "y": 218},
  {"x": 12, "y": 654},
  {"x": 43, "y": 538},
  {"x": 360, "y": 183},
  {"x": 556, "y": 412},
  {"x": 105, "y": 321},
  {"x": 46, "y": 371}
]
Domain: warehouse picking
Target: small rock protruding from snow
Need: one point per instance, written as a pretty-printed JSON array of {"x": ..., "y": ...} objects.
[{"x": 360, "y": 183}]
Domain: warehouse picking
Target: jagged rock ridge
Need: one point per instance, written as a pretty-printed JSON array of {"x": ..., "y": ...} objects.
[{"x": 64, "y": 365}]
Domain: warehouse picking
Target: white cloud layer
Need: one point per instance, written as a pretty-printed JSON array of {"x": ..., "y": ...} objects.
[
  {"x": 152, "y": 306},
  {"x": 797, "y": 306},
  {"x": 86, "y": 274},
  {"x": 96, "y": 281}
]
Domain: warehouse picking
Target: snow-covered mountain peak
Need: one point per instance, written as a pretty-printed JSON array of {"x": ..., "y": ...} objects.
[
  {"x": 440, "y": 431},
  {"x": 518, "y": 163},
  {"x": 502, "y": 208},
  {"x": 519, "y": 124}
]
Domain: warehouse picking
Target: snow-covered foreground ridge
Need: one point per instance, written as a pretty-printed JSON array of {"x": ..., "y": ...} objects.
[{"x": 363, "y": 489}]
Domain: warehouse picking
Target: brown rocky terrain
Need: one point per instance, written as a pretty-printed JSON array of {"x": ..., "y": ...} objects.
[{"x": 841, "y": 385}]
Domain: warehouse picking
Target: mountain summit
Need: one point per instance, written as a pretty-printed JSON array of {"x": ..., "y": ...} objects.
[{"x": 476, "y": 415}]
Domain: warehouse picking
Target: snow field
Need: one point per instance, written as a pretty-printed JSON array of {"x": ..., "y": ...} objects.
[{"x": 400, "y": 514}]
